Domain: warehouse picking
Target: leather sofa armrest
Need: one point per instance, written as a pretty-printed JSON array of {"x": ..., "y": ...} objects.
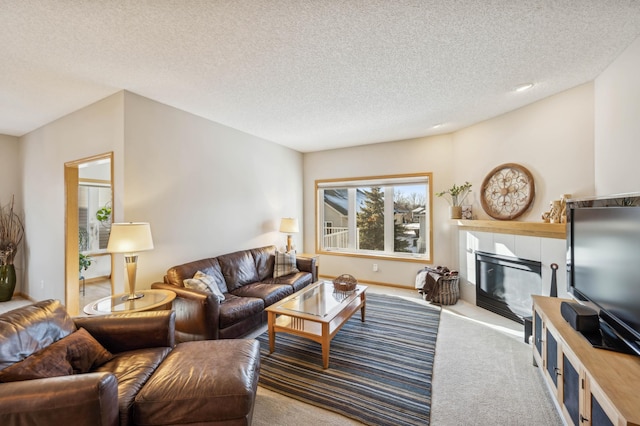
[
  {"x": 197, "y": 313},
  {"x": 82, "y": 399},
  {"x": 307, "y": 264},
  {"x": 125, "y": 332}
]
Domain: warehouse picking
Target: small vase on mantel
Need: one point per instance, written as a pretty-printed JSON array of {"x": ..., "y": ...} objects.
[{"x": 455, "y": 212}]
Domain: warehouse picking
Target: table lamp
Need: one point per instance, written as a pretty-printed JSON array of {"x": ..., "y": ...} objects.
[
  {"x": 130, "y": 238},
  {"x": 289, "y": 225}
]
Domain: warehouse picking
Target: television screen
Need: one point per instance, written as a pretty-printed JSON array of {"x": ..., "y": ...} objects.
[{"x": 604, "y": 263}]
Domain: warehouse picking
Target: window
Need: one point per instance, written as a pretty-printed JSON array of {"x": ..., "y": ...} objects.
[
  {"x": 94, "y": 201},
  {"x": 386, "y": 216}
]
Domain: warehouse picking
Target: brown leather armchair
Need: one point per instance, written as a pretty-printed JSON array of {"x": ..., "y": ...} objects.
[
  {"x": 141, "y": 373},
  {"x": 78, "y": 399}
]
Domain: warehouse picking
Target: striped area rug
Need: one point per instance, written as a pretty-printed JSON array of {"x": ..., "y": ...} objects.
[{"x": 379, "y": 371}]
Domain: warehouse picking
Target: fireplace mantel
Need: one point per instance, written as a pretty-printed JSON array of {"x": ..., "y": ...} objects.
[{"x": 533, "y": 229}]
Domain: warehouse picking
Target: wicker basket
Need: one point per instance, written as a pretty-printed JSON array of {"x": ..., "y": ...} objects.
[
  {"x": 448, "y": 291},
  {"x": 345, "y": 282}
]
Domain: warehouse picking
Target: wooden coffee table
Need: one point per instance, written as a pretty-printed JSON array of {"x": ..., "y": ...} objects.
[{"x": 316, "y": 312}]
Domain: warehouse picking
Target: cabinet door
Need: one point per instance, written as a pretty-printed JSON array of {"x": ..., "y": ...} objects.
[
  {"x": 537, "y": 337},
  {"x": 570, "y": 392},
  {"x": 551, "y": 356},
  {"x": 597, "y": 411}
]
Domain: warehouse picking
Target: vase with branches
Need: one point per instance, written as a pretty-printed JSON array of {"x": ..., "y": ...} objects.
[{"x": 11, "y": 234}]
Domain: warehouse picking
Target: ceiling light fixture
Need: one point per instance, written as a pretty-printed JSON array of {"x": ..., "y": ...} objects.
[{"x": 523, "y": 87}]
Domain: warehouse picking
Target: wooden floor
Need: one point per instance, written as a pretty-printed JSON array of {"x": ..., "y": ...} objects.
[{"x": 93, "y": 291}]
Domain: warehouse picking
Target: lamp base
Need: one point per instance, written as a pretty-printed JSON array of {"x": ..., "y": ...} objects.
[
  {"x": 131, "y": 260},
  {"x": 132, "y": 296}
]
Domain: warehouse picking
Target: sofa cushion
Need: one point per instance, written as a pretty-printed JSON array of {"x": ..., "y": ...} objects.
[
  {"x": 298, "y": 281},
  {"x": 238, "y": 269},
  {"x": 29, "y": 329},
  {"x": 76, "y": 353},
  {"x": 235, "y": 309},
  {"x": 264, "y": 258},
  {"x": 270, "y": 293},
  {"x": 204, "y": 282},
  {"x": 84, "y": 352},
  {"x": 211, "y": 267},
  {"x": 48, "y": 362},
  {"x": 285, "y": 264},
  {"x": 132, "y": 369}
]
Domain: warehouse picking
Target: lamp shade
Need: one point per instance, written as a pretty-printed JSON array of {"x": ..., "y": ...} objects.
[
  {"x": 130, "y": 237},
  {"x": 288, "y": 225}
]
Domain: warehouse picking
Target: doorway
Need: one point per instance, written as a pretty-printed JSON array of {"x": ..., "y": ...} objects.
[{"x": 89, "y": 214}]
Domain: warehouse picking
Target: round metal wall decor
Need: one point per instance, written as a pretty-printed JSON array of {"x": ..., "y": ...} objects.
[{"x": 507, "y": 191}]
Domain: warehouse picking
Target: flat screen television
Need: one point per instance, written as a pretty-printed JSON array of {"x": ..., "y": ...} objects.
[{"x": 603, "y": 267}]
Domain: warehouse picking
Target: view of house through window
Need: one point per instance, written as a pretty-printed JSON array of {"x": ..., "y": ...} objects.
[{"x": 380, "y": 216}]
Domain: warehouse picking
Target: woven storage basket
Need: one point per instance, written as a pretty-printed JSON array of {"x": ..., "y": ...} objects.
[
  {"x": 448, "y": 291},
  {"x": 345, "y": 282}
]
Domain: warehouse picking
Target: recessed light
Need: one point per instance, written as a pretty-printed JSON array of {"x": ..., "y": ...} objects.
[{"x": 523, "y": 87}]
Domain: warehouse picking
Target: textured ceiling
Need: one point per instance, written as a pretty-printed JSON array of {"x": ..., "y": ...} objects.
[{"x": 310, "y": 75}]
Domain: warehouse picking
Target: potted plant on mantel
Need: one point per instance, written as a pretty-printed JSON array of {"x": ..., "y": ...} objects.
[
  {"x": 11, "y": 233},
  {"x": 456, "y": 196}
]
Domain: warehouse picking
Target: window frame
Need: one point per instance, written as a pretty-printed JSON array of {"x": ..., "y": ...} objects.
[{"x": 375, "y": 181}]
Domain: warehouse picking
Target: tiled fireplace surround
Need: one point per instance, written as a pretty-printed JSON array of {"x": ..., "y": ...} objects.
[{"x": 541, "y": 242}]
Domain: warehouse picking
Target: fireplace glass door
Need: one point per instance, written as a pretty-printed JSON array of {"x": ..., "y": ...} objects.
[{"x": 505, "y": 284}]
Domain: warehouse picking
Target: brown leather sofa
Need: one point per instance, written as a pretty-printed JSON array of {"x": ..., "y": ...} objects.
[
  {"x": 246, "y": 280},
  {"x": 138, "y": 378}
]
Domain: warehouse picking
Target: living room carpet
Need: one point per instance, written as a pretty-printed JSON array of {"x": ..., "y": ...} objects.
[{"x": 379, "y": 371}]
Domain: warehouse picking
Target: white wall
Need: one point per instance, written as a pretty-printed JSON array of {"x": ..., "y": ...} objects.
[
  {"x": 93, "y": 130},
  {"x": 10, "y": 178},
  {"x": 553, "y": 138},
  {"x": 205, "y": 188},
  {"x": 9, "y": 169},
  {"x": 617, "y": 124}
]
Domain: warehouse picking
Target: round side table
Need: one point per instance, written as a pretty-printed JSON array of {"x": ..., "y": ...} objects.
[{"x": 117, "y": 304}]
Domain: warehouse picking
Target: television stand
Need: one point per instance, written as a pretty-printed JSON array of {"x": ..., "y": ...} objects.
[
  {"x": 607, "y": 339},
  {"x": 590, "y": 385}
]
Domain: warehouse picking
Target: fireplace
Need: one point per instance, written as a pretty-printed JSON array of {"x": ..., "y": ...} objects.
[{"x": 504, "y": 284}]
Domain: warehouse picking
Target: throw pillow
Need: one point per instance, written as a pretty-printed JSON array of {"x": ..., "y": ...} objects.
[
  {"x": 285, "y": 264},
  {"x": 84, "y": 352},
  {"x": 204, "y": 282},
  {"x": 48, "y": 362},
  {"x": 76, "y": 353}
]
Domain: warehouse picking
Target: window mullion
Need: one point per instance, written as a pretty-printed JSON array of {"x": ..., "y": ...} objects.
[
  {"x": 388, "y": 219},
  {"x": 320, "y": 228},
  {"x": 351, "y": 218}
]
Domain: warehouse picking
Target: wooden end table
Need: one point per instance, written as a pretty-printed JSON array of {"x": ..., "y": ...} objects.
[{"x": 316, "y": 312}]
